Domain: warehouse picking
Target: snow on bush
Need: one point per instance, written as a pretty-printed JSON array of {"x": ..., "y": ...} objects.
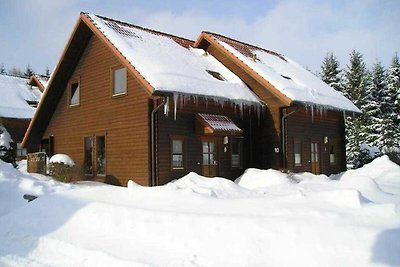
[
  {"x": 6, "y": 148},
  {"x": 62, "y": 158},
  {"x": 256, "y": 178}
]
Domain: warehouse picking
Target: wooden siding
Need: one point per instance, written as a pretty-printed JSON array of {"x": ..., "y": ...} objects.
[
  {"x": 124, "y": 119},
  {"x": 272, "y": 119},
  {"x": 306, "y": 128},
  {"x": 185, "y": 127}
]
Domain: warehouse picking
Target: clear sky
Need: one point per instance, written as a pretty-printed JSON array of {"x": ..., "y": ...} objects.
[{"x": 35, "y": 31}]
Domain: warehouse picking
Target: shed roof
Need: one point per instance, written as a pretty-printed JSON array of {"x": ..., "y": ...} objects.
[
  {"x": 284, "y": 74},
  {"x": 218, "y": 124}
]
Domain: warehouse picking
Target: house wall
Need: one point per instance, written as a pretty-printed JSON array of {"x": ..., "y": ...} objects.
[
  {"x": 185, "y": 127},
  {"x": 123, "y": 119},
  {"x": 309, "y": 126},
  {"x": 272, "y": 117}
]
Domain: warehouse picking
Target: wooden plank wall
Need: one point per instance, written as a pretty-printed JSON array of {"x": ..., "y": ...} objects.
[
  {"x": 305, "y": 127},
  {"x": 184, "y": 125},
  {"x": 123, "y": 119}
]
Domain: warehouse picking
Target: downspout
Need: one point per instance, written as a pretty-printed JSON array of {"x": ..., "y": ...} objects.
[
  {"x": 283, "y": 135},
  {"x": 153, "y": 141}
]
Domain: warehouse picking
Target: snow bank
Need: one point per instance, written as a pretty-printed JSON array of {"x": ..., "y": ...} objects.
[
  {"x": 287, "y": 220},
  {"x": 256, "y": 178},
  {"x": 62, "y": 158}
]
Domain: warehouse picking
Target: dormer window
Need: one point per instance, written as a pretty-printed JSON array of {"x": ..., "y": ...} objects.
[{"x": 216, "y": 75}]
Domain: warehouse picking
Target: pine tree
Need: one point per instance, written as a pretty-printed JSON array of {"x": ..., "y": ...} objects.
[
  {"x": 28, "y": 71},
  {"x": 2, "y": 69},
  {"x": 331, "y": 72},
  {"x": 375, "y": 86},
  {"x": 15, "y": 72},
  {"x": 47, "y": 72},
  {"x": 391, "y": 106},
  {"x": 355, "y": 89}
]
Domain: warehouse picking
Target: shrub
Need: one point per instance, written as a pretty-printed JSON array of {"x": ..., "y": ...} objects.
[{"x": 65, "y": 173}]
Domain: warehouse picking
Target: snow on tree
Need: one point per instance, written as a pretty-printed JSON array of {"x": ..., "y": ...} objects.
[
  {"x": 47, "y": 72},
  {"x": 28, "y": 71},
  {"x": 372, "y": 107},
  {"x": 391, "y": 107},
  {"x": 2, "y": 69},
  {"x": 6, "y": 146},
  {"x": 15, "y": 72},
  {"x": 331, "y": 72},
  {"x": 355, "y": 82}
]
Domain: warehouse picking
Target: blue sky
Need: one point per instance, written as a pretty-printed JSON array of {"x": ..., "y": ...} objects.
[{"x": 35, "y": 31}]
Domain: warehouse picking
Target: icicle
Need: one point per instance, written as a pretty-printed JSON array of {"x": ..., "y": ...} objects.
[
  {"x": 312, "y": 114},
  {"x": 176, "y": 98},
  {"x": 166, "y": 109}
]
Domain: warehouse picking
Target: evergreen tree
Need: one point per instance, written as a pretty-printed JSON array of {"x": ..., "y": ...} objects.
[
  {"x": 376, "y": 85},
  {"x": 28, "y": 71},
  {"x": 355, "y": 89},
  {"x": 331, "y": 73},
  {"x": 2, "y": 69},
  {"x": 391, "y": 106},
  {"x": 15, "y": 72},
  {"x": 47, "y": 72}
]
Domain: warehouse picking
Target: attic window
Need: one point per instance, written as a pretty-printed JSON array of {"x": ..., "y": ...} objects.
[
  {"x": 74, "y": 94},
  {"x": 286, "y": 77},
  {"x": 216, "y": 75}
]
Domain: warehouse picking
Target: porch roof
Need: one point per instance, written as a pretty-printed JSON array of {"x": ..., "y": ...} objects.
[{"x": 218, "y": 124}]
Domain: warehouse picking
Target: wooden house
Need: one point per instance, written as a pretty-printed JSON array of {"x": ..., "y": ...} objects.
[
  {"x": 17, "y": 109},
  {"x": 125, "y": 102}
]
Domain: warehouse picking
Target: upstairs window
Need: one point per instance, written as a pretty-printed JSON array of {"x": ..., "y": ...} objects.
[
  {"x": 74, "y": 94},
  {"x": 119, "y": 81},
  {"x": 216, "y": 75}
]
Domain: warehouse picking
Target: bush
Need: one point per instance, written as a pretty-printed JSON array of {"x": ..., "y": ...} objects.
[{"x": 65, "y": 173}]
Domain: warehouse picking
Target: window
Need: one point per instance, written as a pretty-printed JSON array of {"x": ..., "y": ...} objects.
[
  {"x": 216, "y": 75},
  {"x": 236, "y": 153},
  {"x": 119, "y": 81},
  {"x": 332, "y": 159},
  {"x": 21, "y": 151},
  {"x": 297, "y": 153},
  {"x": 101, "y": 155},
  {"x": 74, "y": 94},
  {"x": 88, "y": 150},
  {"x": 177, "y": 154},
  {"x": 209, "y": 153}
]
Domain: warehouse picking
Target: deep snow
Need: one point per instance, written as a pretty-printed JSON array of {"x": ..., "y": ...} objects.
[{"x": 265, "y": 218}]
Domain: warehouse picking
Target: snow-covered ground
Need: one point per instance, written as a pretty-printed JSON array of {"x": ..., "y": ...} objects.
[{"x": 266, "y": 218}]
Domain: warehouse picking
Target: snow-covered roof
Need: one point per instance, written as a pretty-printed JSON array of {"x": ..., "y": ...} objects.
[
  {"x": 17, "y": 93},
  {"x": 291, "y": 79},
  {"x": 170, "y": 65}
]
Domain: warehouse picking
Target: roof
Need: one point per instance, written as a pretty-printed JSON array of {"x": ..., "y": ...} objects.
[
  {"x": 40, "y": 81},
  {"x": 284, "y": 74},
  {"x": 18, "y": 94},
  {"x": 171, "y": 64},
  {"x": 218, "y": 124}
]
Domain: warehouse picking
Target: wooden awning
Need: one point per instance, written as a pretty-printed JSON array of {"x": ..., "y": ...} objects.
[{"x": 210, "y": 124}]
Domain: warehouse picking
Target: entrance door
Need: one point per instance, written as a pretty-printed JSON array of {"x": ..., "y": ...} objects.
[
  {"x": 210, "y": 163},
  {"x": 315, "y": 162}
]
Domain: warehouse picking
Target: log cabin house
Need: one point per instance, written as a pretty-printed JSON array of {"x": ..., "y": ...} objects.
[
  {"x": 125, "y": 102},
  {"x": 17, "y": 109}
]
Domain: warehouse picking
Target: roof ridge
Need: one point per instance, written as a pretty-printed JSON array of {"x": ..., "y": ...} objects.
[
  {"x": 143, "y": 28},
  {"x": 247, "y": 44},
  {"x": 15, "y": 76}
]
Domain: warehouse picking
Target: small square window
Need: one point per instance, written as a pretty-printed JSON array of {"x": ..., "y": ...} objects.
[
  {"x": 119, "y": 81},
  {"x": 74, "y": 94}
]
